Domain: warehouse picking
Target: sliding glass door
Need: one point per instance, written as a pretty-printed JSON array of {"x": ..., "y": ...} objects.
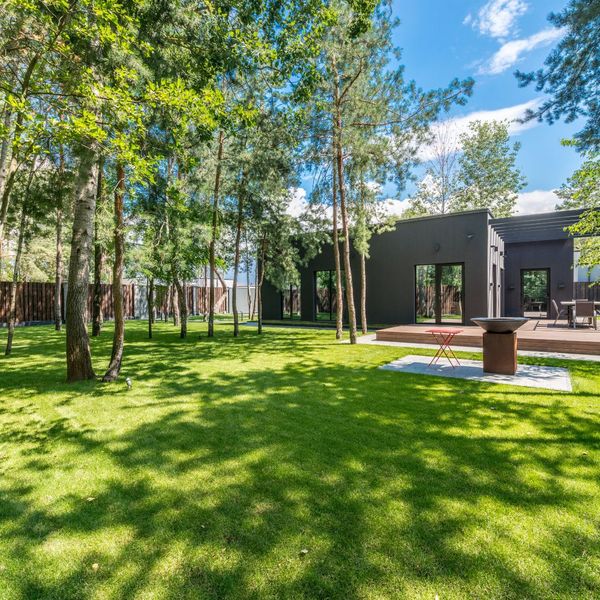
[
  {"x": 439, "y": 293},
  {"x": 325, "y": 295},
  {"x": 535, "y": 292},
  {"x": 290, "y": 303}
]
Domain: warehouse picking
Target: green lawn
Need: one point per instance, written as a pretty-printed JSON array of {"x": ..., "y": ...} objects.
[{"x": 228, "y": 458}]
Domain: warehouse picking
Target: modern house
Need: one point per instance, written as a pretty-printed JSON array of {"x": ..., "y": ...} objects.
[{"x": 445, "y": 269}]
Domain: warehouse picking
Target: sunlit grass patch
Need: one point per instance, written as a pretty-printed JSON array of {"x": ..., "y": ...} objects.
[{"x": 288, "y": 465}]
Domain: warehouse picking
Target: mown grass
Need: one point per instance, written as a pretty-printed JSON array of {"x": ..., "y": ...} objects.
[{"x": 230, "y": 457}]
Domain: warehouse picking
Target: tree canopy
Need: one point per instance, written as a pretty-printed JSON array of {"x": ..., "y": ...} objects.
[{"x": 569, "y": 78}]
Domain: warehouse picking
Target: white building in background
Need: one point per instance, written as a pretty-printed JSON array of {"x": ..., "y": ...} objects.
[
  {"x": 584, "y": 274},
  {"x": 246, "y": 298}
]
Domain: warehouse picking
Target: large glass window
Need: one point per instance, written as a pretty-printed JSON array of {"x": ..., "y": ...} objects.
[
  {"x": 425, "y": 293},
  {"x": 290, "y": 302},
  {"x": 439, "y": 293},
  {"x": 325, "y": 295},
  {"x": 535, "y": 292}
]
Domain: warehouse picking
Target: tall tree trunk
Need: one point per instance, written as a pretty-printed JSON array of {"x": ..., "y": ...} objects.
[
  {"x": 248, "y": 292},
  {"x": 260, "y": 272},
  {"x": 344, "y": 213},
  {"x": 8, "y": 184},
  {"x": 114, "y": 367},
  {"x": 363, "y": 267},
  {"x": 59, "y": 249},
  {"x": 182, "y": 306},
  {"x": 17, "y": 265},
  {"x": 205, "y": 295},
  {"x": 339, "y": 290},
  {"x": 13, "y": 163},
  {"x": 255, "y": 301},
  {"x": 12, "y": 315},
  {"x": 5, "y": 202},
  {"x": 79, "y": 357},
  {"x": 58, "y": 254},
  {"x": 363, "y": 294},
  {"x": 5, "y": 148},
  {"x": 58, "y": 270},
  {"x": 213, "y": 238},
  {"x": 175, "y": 304},
  {"x": 97, "y": 315},
  {"x": 150, "y": 306},
  {"x": 221, "y": 303},
  {"x": 236, "y": 269},
  {"x": 15, "y": 135}
]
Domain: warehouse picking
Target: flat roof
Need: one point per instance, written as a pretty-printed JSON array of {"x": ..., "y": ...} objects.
[
  {"x": 447, "y": 215},
  {"x": 516, "y": 229},
  {"x": 536, "y": 227}
]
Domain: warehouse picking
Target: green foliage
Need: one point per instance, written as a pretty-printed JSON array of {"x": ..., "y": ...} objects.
[
  {"x": 570, "y": 77},
  {"x": 488, "y": 176},
  {"x": 582, "y": 189},
  {"x": 434, "y": 195}
]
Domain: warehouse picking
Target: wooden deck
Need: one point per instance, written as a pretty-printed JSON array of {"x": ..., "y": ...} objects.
[{"x": 539, "y": 336}]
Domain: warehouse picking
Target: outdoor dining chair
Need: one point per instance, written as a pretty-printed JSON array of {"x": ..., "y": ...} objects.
[
  {"x": 586, "y": 310},
  {"x": 560, "y": 312}
]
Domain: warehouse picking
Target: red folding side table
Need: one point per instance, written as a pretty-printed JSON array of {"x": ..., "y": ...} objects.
[{"x": 444, "y": 336}]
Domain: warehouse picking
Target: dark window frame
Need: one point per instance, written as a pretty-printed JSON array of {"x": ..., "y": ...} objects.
[
  {"x": 291, "y": 316},
  {"x": 437, "y": 292},
  {"x": 548, "y": 271},
  {"x": 331, "y": 288}
]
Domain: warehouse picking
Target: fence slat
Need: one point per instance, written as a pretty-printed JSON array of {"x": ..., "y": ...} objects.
[{"x": 35, "y": 300}]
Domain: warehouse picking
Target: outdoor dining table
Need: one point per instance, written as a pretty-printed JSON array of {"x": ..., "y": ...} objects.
[
  {"x": 572, "y": 308},
  {"x": 444, "y": 336}
]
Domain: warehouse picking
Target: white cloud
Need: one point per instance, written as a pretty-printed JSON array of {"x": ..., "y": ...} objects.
[
  {"x": 497, "y": 18},
  {"x": 538, "y": 201},
  {"x": 373, "y": 186},
  {"x": 510, "y": 52},
  {"x": 453, "y": 128},
  {"x": 394, "y": 207},
  {"x": 298, "y": 202}
]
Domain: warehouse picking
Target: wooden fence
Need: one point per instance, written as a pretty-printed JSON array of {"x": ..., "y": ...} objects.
[
  {"x": 107, "y": 303},
  {"x": 585, "y": 290},
  {"x": 450, "y": 301},
  {"x": 35, "y": 301},
  {"x": 197, "y": 300}
]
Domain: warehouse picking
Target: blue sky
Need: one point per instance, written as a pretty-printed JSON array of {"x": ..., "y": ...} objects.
[{"x": 488, "y": 40}]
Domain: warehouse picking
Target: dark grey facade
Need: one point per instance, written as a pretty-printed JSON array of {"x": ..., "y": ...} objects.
[
  {"x": 537, "y": 242},
  {"x": 491, "y": 252}
]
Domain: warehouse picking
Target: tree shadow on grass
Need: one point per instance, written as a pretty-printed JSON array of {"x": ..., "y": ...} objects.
[
  {"x": 42, "y": 351},
  {"x": 397, "y": 485}
]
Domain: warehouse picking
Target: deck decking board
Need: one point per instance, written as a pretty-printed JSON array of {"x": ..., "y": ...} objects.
[{"x": 536, "y": 336}]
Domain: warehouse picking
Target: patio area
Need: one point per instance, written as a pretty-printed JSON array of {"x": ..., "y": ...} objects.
[
  {"x": 532, "y": 376},
  {"x": 536, "y": 335}
]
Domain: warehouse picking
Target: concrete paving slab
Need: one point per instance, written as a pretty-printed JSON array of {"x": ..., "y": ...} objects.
[{"x": 535, "y": 376}]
